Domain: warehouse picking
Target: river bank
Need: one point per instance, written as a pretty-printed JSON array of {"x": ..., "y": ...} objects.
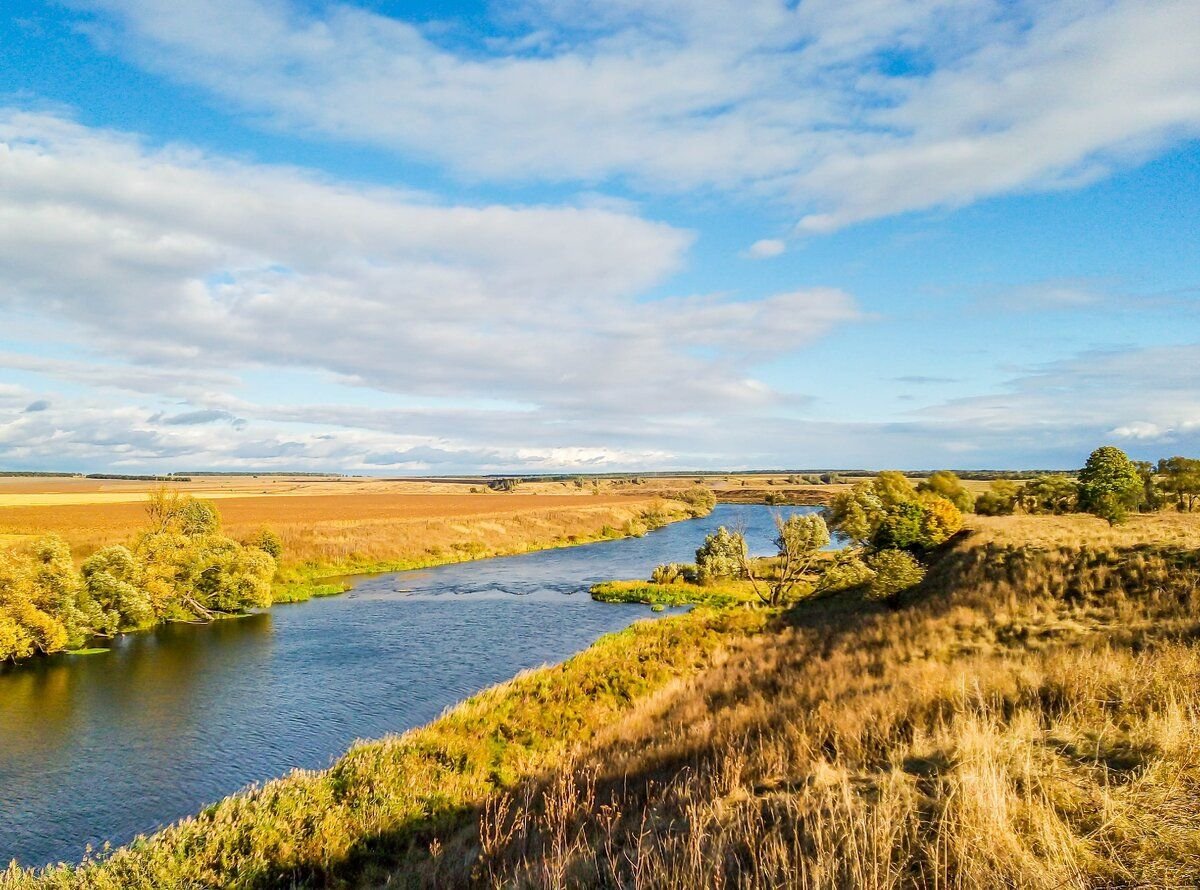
[
  {"x": 112, "y": 745},
  {"x": 1025, "y": 717},
  {"x": 491, "y": 537}
]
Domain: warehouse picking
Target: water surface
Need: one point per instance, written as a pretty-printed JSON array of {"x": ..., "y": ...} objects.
[{"x": 104, "y": 747}]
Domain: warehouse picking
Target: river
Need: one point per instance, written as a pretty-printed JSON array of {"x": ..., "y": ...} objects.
[{"x": 98, "y": 748}]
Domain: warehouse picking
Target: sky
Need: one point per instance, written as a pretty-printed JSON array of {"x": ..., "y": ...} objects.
[{"x": 546, "y": 236}]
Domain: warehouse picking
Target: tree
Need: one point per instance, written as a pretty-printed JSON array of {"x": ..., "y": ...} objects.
[
  {"x": 1181, "y": 478},
  {"x": 722, "y": 555},
  {"x": 112, "y": 579},
  {"x": 902, "y": 528},
  {"x": 888, "y": 513},
  {"x": 197, "y": 517},
  {"x": 894, "y": 489},
  {"x": 946, "y": 484},
  {"x": 1049, "y": 493},
  {"x": 267, "y": 541},
  {"x": 895, "y": 571},
  {"x": 999, "y": 500},
  {"x": 799, "y": 543},
  {"x": 25, "y": 627},
  {"x": 1109, "y": 484},
  {"x": 940, "y": 520},
  {"x": 857, "y": 513},
  {"x": 1151, "y": 498},
  {"x": 55, "y": 587}
]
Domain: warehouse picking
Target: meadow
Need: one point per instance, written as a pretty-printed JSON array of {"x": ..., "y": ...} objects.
[{"x": 1028, "y": 716}]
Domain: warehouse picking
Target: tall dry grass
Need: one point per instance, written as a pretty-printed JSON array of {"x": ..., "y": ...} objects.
[{"x": 1031, "y": 720}]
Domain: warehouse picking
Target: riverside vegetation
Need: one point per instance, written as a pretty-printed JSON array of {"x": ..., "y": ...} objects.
[
  {"x": 181, "y": 566},
  {"x": 1025, "y": 714}
]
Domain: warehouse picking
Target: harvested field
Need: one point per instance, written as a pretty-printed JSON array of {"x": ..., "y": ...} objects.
[{"x": 358, "y": 528}]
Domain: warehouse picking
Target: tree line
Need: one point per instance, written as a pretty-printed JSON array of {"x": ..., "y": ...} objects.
[
  {"x": 179, "y": 568},
  {"x": 892, "y": 524},
  {"x": 1110, "y": 485}
]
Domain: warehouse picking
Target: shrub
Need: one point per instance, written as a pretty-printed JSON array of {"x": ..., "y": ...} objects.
[
  {"x": 722, "y": 555},
  {"x": 894, "y": 571},
  {"x": 266, "y": 541},
  {"x": 947, "y": 485},
  {"x": 1049, "y": 493},
  {"x": 999, "y": 500},
  {"x": 700, "y": 500},
  {"x": 671, "y": 573}
]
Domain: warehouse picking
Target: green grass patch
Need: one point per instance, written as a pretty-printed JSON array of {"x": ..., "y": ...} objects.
[{"x": 718, "y": 594}]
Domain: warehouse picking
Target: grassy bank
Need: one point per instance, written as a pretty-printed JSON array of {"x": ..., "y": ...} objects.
[
  {"x": 444, "y": 543},
  {"x": 722, "y": 593},
  {"x": 387, "y": 798},
  {"x": 1028, "y": 717}
]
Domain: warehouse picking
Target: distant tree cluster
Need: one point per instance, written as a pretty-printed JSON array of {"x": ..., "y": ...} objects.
[
  {"x": 179, "y": 568},
  {"x": 504, "y": 483},
  {"x": 1110, "y": 485},
  {"x": 890, "y": 525}
]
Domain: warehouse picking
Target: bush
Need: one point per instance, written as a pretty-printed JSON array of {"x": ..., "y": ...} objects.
[
  {"x": 722, "y": 555},
  {"x": 672, "y": 573},
  {"x": 947, "y": 485},
  {"x": 266, "y": 541},
  {"x": 999, "y": 500},
  {"x": 894, "y": 571},
  {"x": 700, "y": 500}
]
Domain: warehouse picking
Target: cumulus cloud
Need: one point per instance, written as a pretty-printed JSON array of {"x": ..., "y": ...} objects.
[
  {"x": 174, "y": 274},
  {"x": 850, "y": 111}
]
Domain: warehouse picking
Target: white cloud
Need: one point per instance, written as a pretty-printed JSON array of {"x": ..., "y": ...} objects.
[
  {"x": 175, "y": 274},
  {"x": 792, "y": 101},
  {"x": 766, "y": 248}
]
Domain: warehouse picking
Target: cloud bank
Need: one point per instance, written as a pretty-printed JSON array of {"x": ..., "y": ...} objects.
[{"x": 844, "y": 111}]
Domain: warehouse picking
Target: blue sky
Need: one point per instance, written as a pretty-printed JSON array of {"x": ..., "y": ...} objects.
[{"x": 580, "y": 236}]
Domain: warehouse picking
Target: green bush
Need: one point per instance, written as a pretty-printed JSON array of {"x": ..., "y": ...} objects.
[
  {"x": 893, "y": 572},
  {"x": 722, "y": 555}
]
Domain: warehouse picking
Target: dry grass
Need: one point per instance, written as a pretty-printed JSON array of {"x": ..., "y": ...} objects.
[
  {"x": 352, "y": 530},
  {"x": 1032, "y": 720},
  {"x": 1164, "y": 529}
]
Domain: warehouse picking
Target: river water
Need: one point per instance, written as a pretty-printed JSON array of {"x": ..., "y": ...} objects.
[{"x": 104, "y": 747}]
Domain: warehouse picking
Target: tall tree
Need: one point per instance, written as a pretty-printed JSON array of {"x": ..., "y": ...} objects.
[{"x": 1109, "y": 484}]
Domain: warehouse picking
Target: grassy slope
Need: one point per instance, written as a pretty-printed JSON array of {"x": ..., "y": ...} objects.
[
  {"x": 1029, "y": 719},
  {"x": 372, "y": 805}
]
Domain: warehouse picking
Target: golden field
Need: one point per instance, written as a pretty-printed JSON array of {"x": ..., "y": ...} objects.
[{"x": 335, "y": 523}]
